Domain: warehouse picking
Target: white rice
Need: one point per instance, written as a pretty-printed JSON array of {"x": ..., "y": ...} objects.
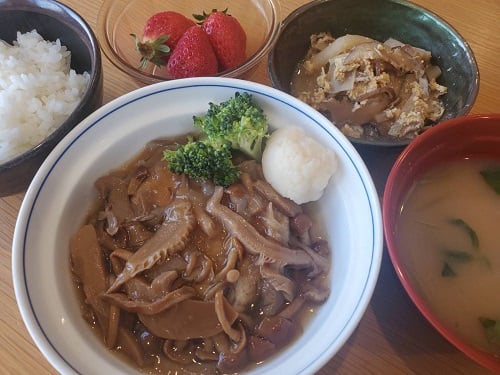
[{"x": 38, "y": 91}]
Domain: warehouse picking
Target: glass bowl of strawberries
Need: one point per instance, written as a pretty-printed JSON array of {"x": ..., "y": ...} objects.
[{"x": 168, "y": 39}]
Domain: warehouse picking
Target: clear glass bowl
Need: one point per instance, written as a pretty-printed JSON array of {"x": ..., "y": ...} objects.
[{"x": 118, "y": 19}]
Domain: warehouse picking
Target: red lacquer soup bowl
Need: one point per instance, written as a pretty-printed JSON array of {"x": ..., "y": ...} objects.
[{"x": 466, "y": 137}]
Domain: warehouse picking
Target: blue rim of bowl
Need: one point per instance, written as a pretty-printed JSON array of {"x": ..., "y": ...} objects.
[{"x": 19, "y": 250}]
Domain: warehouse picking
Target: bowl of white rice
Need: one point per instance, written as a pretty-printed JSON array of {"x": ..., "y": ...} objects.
[{"x": 50, "y": 80}]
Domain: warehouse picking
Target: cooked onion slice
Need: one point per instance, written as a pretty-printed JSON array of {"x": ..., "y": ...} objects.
[
  {"x": 433, "y": 72},
  {"x": 342, "y": 85},
  {"x": 340, "y": 45}
]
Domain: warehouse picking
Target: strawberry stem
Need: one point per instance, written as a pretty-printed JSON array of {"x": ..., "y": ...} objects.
[
  {"x": 155, "y": 51},
  {"x": 202, "y": 17}
]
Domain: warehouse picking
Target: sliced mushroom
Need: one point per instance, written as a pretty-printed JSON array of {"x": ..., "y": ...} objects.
[
  {"x": 250, "y": 237},
  {"x": 185, "y": 320},
  {"x": 87, "y": 260},
  {"x": 149, "y": 308},
  {"x": 285, "y": 205},
  {"x": 170, "y": 238}
]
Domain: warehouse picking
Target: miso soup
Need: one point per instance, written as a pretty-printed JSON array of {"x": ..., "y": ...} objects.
[{"x": 448, "y": 234}]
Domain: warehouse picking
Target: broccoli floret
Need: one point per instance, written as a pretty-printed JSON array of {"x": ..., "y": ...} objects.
[
  {"x": 198, "y": 159},
  {"x": 239, "y": 120},
  {"x": 236, "y": 124}
]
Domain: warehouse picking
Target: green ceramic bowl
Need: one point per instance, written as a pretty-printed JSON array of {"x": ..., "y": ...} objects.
[{"x": 380, "y": 20}]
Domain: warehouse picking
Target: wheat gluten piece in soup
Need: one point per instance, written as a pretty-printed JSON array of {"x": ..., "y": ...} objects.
[
  {"x": 371, "y": 90},
  {"x": 178, "y": 274},
  {"x": 447, "y": 236},
  {"x": 38, "y": 91}
]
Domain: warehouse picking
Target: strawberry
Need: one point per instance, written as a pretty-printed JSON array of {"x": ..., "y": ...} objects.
[
  {"x": 227, "y": 37},
  {"x": 193, "y": 56},
  {"x": 160, "y": 35}
]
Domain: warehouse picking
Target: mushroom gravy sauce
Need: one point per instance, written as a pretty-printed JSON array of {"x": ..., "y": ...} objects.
[{"x": 181, "y": 275}]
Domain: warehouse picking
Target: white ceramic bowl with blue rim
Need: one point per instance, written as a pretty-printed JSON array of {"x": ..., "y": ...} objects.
[{"x": 63, "y": 190}]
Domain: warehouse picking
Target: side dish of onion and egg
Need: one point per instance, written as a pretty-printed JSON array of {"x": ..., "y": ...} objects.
[
  {"x": 181, "y": 274},
  {"x": 368, "y": 88}
]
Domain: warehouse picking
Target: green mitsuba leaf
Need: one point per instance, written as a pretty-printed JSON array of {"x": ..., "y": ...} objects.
[
  {"x": 491, "y": 329},
  {"x": 447, "y": 271},
  {"x": 471, "y": 233},
  {"x": 492, "y": 178}
]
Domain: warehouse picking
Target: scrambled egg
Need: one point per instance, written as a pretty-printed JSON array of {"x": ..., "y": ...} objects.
[{"x": 371, "y": 89}]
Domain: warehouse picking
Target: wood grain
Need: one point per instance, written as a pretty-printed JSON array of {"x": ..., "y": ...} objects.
[{"x": 392, "y": 338}]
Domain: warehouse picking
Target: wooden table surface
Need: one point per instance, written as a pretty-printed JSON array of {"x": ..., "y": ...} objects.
[{"x": 392, "y": 338}]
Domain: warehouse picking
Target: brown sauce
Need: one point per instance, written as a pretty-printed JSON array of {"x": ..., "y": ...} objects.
[
  {"x": 180, "y": 275},
  {"x": 370, "y": 90}
]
